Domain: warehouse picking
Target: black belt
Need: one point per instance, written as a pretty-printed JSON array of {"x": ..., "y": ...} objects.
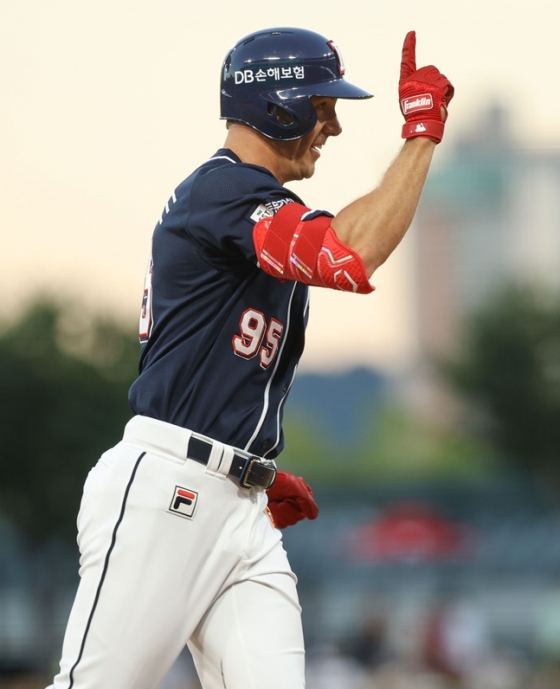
[{"x": 249, "y": 471}]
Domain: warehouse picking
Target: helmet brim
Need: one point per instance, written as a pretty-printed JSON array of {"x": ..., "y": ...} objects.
[{"x": 337, "y": 88}]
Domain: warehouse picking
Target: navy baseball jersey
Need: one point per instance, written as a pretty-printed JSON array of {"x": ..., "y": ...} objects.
[{"x": 221, "y": 339}]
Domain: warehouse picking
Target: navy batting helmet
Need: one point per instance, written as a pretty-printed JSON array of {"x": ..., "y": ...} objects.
[{"x": 269, "y": 76}]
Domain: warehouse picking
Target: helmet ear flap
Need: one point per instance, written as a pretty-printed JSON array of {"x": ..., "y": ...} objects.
[
  {"x": 279, "y": 114},
  {"x": 297, "y": 115}
]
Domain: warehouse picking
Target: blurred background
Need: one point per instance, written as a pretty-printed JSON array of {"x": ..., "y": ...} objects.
[{"x": 425, "y": 416}]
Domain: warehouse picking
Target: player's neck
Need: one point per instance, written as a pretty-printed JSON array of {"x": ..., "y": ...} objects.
[{"x": 251, "y": 147}]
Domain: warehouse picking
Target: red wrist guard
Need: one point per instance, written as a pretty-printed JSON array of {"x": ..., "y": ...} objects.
[{"x": 434, "y": 130}]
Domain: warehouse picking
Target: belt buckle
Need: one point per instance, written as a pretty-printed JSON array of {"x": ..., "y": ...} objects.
[{"x": 267, "y": 465}]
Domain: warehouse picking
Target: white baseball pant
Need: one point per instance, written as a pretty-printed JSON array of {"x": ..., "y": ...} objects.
[{"x": 173, "y": 552}]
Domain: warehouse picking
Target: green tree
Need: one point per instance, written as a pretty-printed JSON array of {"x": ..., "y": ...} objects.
[
  {"x": 64, "y": 377},
  {"x": 395, "y": 445},
  {"x": 509, "y": 371}
]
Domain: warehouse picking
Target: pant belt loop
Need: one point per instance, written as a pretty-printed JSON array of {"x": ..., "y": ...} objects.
[{"x": 219, "y": 461}]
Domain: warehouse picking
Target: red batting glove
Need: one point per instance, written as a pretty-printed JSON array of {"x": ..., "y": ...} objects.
[
  {"x": 424, "y": 95},
  {"x": 290, "y": 500}
]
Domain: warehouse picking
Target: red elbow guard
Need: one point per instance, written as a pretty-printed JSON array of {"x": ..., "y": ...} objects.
[{"x": 299, "y": 244}]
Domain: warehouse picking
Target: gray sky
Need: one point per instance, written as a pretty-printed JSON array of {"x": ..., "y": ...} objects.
[{"x": 108, "y": 105}]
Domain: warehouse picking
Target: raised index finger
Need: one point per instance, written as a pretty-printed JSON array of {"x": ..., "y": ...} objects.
[{"x": 408, "y": 62}]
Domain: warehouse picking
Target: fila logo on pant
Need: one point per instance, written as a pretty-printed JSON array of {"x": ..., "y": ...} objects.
[{"x": 183, "y": 502}]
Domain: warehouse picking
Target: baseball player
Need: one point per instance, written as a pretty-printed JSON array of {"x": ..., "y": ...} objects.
[{"x": 179, "y": 523}]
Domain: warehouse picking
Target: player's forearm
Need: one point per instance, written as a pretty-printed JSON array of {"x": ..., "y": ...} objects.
[{"x": 374, "y": 224}]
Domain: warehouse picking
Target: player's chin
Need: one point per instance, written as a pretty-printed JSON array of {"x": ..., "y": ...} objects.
[
  {"x": 303, "y": 172},
  {"x": 308, "y": 170},
  {"x": 305, "y": 167}
]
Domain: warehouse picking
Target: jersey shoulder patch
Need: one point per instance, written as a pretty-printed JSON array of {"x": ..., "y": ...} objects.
[{"x": 270, "y": 208}]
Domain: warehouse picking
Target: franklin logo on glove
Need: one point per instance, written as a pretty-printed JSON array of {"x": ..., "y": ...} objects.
[{"x": 422, "y": 103}]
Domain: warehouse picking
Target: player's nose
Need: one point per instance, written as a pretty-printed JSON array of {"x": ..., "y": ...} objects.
[{"x": 332, "y": 127}]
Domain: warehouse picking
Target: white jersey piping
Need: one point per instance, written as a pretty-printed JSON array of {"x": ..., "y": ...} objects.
[
  {"x": 267, "y": 389},
  {"x": 231, "y": 160}
]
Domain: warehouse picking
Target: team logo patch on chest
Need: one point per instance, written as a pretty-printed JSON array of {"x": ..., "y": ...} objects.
[{"x": 184, "y": 502}]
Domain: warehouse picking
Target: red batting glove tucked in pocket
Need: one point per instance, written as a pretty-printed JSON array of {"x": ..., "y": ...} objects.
[{"x": 290, "y": 500}]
